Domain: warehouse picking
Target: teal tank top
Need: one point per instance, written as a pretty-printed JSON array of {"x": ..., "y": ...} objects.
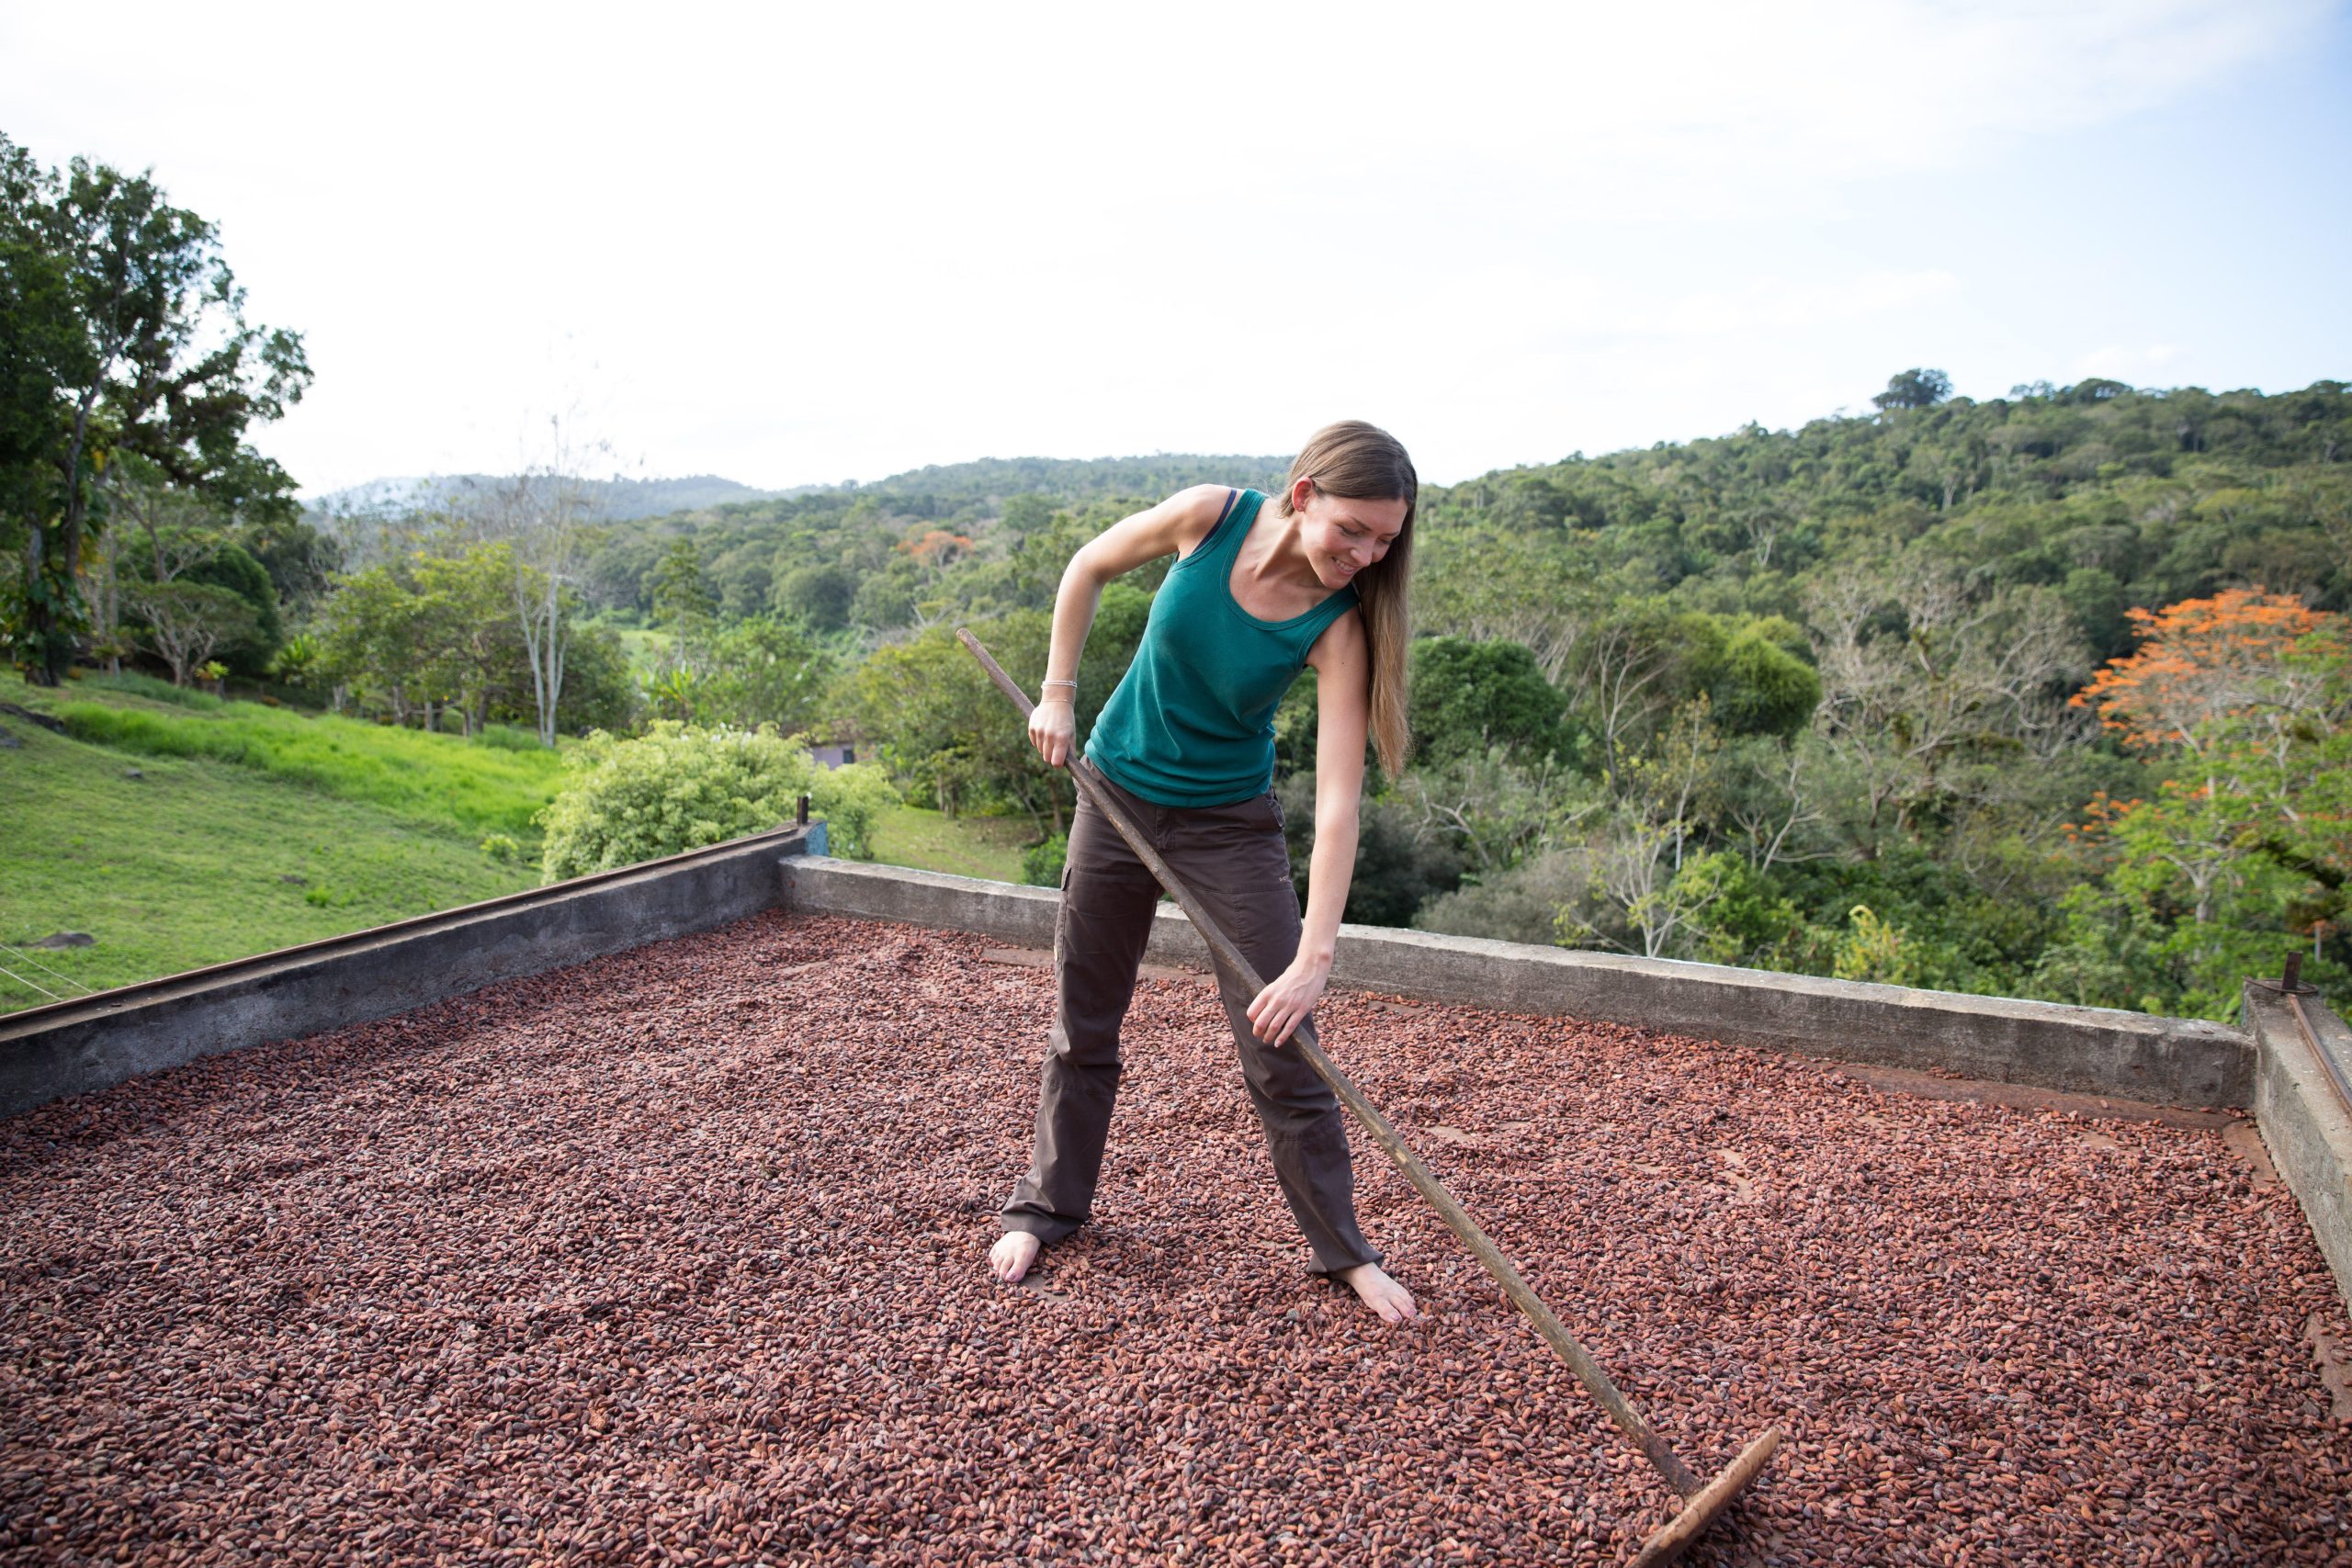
[{"x": 1191, "y": 723}]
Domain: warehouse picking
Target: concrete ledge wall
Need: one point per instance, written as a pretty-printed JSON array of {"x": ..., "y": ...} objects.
[
  {"x": 75, "y": 1047},
  {"x": 2085, "y": 1049},
  {"x": 2309, "y": 1134}
]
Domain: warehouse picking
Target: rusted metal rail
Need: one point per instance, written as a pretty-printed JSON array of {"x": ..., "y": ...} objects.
[{"x": 2289, "y": 986}]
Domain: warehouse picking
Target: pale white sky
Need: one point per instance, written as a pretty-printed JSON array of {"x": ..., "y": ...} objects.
[{"x": 791, "y": 243}]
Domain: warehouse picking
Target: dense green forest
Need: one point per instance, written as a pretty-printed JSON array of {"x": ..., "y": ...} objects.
[
  {"x": 1805, "y": 699},
  {"x": 2048, "y": 694}
]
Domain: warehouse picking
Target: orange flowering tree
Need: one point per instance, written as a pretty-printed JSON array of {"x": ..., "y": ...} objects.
[
  {"x": 2217, "y": 672},
  {"x": 937, "y": 549},
  {"x": 2241, "y": 704}
]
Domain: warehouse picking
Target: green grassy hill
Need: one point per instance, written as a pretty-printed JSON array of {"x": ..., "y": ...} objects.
[
  {"x": 180, "y": 830},
  {"x": 965, "y": 846},
  {"x": 198, "y": 860},
  {"x": 492, "y": 785}
]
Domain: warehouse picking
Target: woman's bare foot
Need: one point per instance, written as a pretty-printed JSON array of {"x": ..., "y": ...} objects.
[
  {"x": 1013, "y": 1252},
  {"x": 1383, "y": 1295}
]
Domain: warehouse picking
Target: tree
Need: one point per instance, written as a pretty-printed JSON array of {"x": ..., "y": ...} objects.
[
  {"x": 682, "y": 599},
  {"x": 372, "y": 636},
  {"x": 819, "y": 595},
  {"x": 2206, "y": 660},
  {"x": 541, "y": 512},
  {"x": 1915, "y": 389},
  {"x": 1620, "y": 672},
  {"x": 599, "y": 692},
  {"x": 935, "y": 718},
  {"x": 1923, "y": 674},
  {"x": 2247, "y": 835},
  {"x": 471, "y": 646},
  {"x": 205, "y": 551},
  {"x": 1771, "y": 806},
  {"x": 1494, "y": 809},
  {"x": 187, "y": 620},
  {"x": 1748, "y": 670},
  {"x": 437, "y": 624},
  {"x": 42, "y": 351},
  {"x": 767, "y": 671},
  {"x": 1403, "y": 858},
  {"x": 162, "y": 365},
  {"x": 186, "y": 613},
  {"x": 1512, "y": 587},
  {"x": 1466, "y": 696},
  {"x": 1640, "y": 889}
]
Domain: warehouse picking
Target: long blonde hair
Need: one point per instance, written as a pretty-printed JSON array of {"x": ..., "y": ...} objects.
[{"x": 1356, "y": 461}]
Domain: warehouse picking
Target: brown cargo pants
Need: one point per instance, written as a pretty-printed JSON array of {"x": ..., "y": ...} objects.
[{"x": 1232, "y": 859}]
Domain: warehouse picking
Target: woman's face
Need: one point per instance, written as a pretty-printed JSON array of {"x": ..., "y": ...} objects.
[{"x": 1343, "y": 536}]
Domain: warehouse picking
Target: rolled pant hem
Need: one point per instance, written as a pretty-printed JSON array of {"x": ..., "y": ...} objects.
[{"x": 1048, "y": 1229}]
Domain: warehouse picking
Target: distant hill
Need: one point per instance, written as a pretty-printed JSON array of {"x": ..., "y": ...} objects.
[
  {"x": 613, "y": 500},
  {"x": 995, "y": 479},
  {"x": 726, "y": 517},
  {"x": 984, "y": 483}
]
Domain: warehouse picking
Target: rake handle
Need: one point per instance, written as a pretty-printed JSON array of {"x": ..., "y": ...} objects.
[{"x": 1596, "y": 1381}]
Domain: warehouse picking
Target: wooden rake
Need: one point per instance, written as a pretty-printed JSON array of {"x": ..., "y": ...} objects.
[{"x": 1702, "y": 1500}]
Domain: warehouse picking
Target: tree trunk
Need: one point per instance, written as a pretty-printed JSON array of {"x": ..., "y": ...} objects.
[
  {"x": 38, "y": 618},
  {"x": 111, "y": 612},
  {"x": 57, "y": 656}
]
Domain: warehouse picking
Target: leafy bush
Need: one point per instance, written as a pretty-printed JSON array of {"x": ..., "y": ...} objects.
[
  {"x": 1041, "y": 864},
  {"x": 1756, "y": 681},
  {"x": 501, "y": 847},
  {"x": 1401, "y": 859},
  {"x": 296, "y": 659},
  {"x": 1874, "y": 950},
  {"x": 1521, "y": 904},
  {"x": 506, "y": 737},
  {"x": 677, "y": 788}
]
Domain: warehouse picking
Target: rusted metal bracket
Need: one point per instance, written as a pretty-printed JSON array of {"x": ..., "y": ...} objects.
[{"x": 2291, "y": 988}]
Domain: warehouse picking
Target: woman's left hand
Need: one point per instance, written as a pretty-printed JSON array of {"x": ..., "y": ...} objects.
[{"x": 1283, "y": 1005}]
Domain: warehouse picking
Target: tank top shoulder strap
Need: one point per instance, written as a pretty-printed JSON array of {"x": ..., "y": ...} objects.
[{"x": 1232, "y": 527}]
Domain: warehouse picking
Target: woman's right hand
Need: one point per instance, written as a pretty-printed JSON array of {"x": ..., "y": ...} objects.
[{"x": 1052, "y": 723}]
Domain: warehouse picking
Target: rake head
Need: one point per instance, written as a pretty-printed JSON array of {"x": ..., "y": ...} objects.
[{"x": 1675, "y": 1537}]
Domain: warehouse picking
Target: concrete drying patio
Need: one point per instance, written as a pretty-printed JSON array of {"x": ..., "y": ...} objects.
[{"x": 676, "y": 1252}]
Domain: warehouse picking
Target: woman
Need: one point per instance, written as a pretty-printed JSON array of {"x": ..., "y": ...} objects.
[{"x": 1262, "y": 587}]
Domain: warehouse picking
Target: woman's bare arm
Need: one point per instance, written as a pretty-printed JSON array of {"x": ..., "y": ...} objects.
[
  {"x": 1342, "y": 662},
  {"x": 1173, "y": 527}
]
